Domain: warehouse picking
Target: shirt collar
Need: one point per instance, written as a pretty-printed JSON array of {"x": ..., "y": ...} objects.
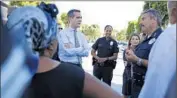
[
  {"x": 148, "y": 36},
  {"x": 108, "y": 38},
  {"x": 157, "y": 32},
  {"x": 71, "y": 29}
]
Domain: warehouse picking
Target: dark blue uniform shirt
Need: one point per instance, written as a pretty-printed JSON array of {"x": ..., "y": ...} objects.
[
  {"x": 144, "y": 48},
  {"x": 105, "y": 48},
  {"x": 142, "y": 51}
]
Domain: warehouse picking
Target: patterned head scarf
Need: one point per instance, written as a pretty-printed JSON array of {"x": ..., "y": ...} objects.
[
  {"x": 24, "y": 25},
  {"x": 18, "y": 63},
  {"x": 39, "y": 27}
]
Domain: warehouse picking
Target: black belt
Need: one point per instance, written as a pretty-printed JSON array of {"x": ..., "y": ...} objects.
[
  {"x": 140, "y": 70},
  {"x": 138, "y": 79},
  {"x": 109, "y": 63},
  {"x": 139, "y": 75}
]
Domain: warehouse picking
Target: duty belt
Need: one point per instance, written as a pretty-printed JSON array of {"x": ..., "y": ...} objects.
[{"x": 138, "y": 79}]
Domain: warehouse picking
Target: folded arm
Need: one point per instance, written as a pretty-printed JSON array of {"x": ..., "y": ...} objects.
[
  {"x": 68, "y": 47},
  {"x": 85, "y": 47}
]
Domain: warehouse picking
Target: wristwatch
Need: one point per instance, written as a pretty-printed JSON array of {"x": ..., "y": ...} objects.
[{"x": 139, "y": 62}]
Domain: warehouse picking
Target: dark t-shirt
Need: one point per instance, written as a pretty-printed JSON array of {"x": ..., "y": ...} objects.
[
  {"x": 105, "y": 48},
  {"x": 64, "y": 81}
]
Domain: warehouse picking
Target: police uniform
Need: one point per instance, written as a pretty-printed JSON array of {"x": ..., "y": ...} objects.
[
  {"x": 142, "y": 51},
  {"x": 105, "y": 48}
]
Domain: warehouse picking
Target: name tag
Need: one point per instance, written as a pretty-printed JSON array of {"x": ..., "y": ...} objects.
[
  {"x": 111, "y": 43},
  {"x": 152, "y": 41}
]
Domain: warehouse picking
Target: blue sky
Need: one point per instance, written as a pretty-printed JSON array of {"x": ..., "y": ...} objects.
[{"x": 115, "y": 13}]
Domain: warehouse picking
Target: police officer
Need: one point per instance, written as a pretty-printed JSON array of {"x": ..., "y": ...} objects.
[
  {"x": 105, "y": 60},
  {"x": 150, "y": 24}
]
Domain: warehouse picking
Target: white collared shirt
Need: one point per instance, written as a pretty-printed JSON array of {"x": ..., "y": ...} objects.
[
  {"x": 72, "y": 54},
  {"x": 161, "y": 65}
]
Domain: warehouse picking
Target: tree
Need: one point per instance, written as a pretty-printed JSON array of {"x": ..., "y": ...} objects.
[
  {"x": 131, "y": 28},
  {"x": 26, "y": 3},
  {"x": 59, "y": 21},
  {"x": 91, "y": 31},
  {"x": 137, "y": 26},
  {"x": 121, "y": 36},
  {"x": 64, "y": 19},
  {"x": 161, "y": 6},
  {"x": 114, "y": 33}
]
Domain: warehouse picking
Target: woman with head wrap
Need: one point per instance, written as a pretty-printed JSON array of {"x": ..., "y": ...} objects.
[
  {"x": 18, "y": 64},
  {"x": 54, "y": 79}
]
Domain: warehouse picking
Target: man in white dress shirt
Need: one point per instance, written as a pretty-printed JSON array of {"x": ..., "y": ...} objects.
[
  {"x": 161, "y": 75},
  {"x": 72, "y": 43}
]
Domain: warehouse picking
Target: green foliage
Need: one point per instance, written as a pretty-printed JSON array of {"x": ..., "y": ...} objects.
[
  {"x": 91, "y": 31},
  {"x": 132, "y": 28},
  {"x": 59, "y": 21},
  {"x": 137, "y": 26},
  {"x": 26, "y": 3},
  {"x": 64, "y": 19},
  {"x": 161, "y": 6},
  {"x": 121, "y": 36},
  {"x": 114, "y": 33}
]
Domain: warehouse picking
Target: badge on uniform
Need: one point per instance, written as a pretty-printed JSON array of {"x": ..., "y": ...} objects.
[
  {"x": 111, "y": 43},
  {"x": 152, "y": 41},
  {"x": 99, "y": 45}
]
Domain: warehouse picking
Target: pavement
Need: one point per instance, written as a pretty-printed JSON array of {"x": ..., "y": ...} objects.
[{"x": 117, "y": 73}]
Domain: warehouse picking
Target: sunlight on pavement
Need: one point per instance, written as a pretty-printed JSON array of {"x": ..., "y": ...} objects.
[{"x": 117, "y": 74}]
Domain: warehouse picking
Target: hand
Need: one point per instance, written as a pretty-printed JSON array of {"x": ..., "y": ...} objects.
[
  {"x": 130, "y": 56},
  {"x": 101, "y": 60}
]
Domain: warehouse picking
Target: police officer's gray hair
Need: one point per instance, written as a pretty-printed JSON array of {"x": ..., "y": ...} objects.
[
  {"x": 171, "y": 5},
  {"x": 154, "y": 14}
]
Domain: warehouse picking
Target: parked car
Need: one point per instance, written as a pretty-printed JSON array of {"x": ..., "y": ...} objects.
[{"x": 122, "y": 45}]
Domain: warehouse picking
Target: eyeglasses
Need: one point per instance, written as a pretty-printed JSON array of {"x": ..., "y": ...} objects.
[{"x": 60, "y": 28}]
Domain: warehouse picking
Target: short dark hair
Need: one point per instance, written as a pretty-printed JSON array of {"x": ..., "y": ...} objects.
[
  {"x": 71, "y": 12},
  {"x": 107, "y": 27}
]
